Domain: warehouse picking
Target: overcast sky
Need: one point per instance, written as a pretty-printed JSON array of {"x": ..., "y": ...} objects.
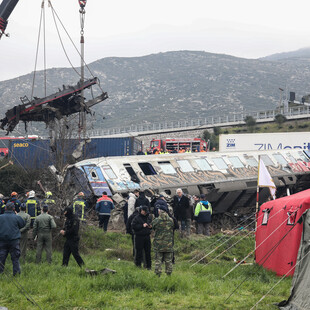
[{"x": 127, "y": 28}]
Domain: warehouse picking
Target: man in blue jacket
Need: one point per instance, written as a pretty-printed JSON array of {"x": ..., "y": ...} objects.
[
  {"x": 10, "y": 225},
  {"x": 104, "y": 207}
]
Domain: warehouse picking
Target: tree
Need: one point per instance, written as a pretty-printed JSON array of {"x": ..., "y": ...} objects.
[
  {"x": 250, "y": 121},
  {"x": 280, "y": 119}
]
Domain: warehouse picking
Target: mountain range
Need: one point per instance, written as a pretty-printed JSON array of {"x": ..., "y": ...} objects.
[{"x": 175, "y": 85}]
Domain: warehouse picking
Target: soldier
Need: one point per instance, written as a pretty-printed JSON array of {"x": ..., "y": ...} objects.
[
  {"x": 163, "y": 240},
  {"x": 42, "y": 230},
  {"x": 24, "y": 231}
]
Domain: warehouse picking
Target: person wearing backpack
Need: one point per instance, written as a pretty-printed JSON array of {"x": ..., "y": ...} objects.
[{"x": 203, "y": 213}]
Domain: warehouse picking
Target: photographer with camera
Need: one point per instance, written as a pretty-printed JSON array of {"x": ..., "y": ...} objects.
[{"x": 141, "y": 227}]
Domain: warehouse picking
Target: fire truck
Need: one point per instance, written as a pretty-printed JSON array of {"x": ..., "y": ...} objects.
[{"x": 179, "y": 144}]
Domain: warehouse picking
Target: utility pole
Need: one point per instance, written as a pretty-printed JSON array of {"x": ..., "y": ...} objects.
[{"x": 82, "y": 120}]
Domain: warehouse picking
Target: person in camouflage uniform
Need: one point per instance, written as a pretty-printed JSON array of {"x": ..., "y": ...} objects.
[
  {"x": 24, "y": 231},
  {"x": 42, "y": 230},
  {"x": 163, "y": 240}
]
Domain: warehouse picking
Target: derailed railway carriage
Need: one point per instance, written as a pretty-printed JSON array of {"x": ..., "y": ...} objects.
[{"x": 229, "y": 179}]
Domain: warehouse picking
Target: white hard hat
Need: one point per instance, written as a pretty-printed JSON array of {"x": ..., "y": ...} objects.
[
  {"x": 1, "y": 196},
  {"x": 31, "y": 194}
]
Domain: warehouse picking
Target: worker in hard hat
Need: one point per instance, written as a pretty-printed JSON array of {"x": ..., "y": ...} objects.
[
  {"x": 79, "y": 206},
  {"x": 16, "y": 202},
  {"x": 2, "y": 204},
  {"x": 32, "y": 206},
  {"x": 49, "y": 201}
]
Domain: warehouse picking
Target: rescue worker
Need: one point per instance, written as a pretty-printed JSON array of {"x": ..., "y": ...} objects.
[
  {"x": 104, "y": 206},
  {"x": 203, "y": 212},
  {"x": 10, "y": 225},
  {"x": 2, "y": 204},
  {"x": 141, "y": 226},
  {"x": 42, "y": 232},
  {"x": 71, "y": 233},
  {"x": 24, "y": 231},
  {"x": 16, "y": 202},
  {"x": 163, "y": 240},
  {"x": 32, "y": 206},
  {"x": 49, "y": 201},
  {"x": 79, "y": 207}
]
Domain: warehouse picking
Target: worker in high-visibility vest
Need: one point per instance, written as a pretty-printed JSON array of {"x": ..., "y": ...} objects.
[
  {"x": 50, "y": 202},
  {"x": 79, "y": 206},
  {"x": 32, "y": 206}
]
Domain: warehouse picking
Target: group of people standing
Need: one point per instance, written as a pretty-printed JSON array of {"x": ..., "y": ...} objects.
[
  {"x": 18, "y": 218},
  {"x": 141, "y": 221}
]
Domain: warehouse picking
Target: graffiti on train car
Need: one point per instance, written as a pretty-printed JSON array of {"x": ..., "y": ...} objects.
[{"x": 300, "y": 166}]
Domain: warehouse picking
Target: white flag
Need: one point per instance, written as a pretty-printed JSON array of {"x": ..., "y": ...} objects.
[{"x": 265, "y": 179}]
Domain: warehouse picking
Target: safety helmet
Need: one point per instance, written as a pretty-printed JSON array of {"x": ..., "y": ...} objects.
[
  {"x": 31, "y": 194},
  {"x": 13, "y": 194},
  {"x": 1, "y": 196},
  {"x": 48, "y": 194},
  {"x": 81, "y": 194}
]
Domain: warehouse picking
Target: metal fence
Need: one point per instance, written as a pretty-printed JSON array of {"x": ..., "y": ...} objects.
[{"x": 212, "y": 121}]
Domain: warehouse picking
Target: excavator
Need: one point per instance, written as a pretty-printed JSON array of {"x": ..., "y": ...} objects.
[{"x": 66, "y": 101}]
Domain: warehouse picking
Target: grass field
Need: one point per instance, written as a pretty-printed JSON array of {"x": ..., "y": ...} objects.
[{"x": 198, "y": 287}]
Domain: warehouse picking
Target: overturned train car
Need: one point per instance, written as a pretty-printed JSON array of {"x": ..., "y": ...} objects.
[{"x": 229, "y": 179}]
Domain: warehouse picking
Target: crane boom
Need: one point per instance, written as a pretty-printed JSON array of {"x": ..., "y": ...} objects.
[{"x": 6, "y": 8}]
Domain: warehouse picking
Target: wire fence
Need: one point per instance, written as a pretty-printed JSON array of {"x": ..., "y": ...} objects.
[{"x": 211, "y": 121}]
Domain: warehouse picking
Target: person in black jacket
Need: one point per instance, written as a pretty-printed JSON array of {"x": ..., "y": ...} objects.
[
  {"x": 71, "y": 233},
  {"x": 129, "y": 229},
  {"x": 180, "y": 209},
  {"x": 141, "y": 226},
  {"x": 142, "y": 200}
]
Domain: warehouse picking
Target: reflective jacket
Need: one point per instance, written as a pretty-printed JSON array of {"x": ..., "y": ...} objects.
[
  {"x": 104, "y": 205},
  {"x": 33, "y": 207},
  {"x": 79, "y": 207},
  {"x": 203, "y": 206}
]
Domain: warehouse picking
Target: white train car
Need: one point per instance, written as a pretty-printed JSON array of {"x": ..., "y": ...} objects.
[{"x": 228, "y": 179}]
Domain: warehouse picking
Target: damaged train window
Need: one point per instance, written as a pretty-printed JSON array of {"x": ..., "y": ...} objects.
[
  {"x": 220, "y": 163},
  {"x": 185, "y": 165},
  {"x": 203, "y": 164},
  {"x": 93, "y": 174},
  {"x": 251, "y": 161},
  {"x": 109, "y": 172},
  {"x": 147, "y": 168},
  {"x": 236, "y": 162},
  {"x": 280, "y": 159},
  {"x": 166, "y": 167},
  {"x": 132, "y": 173},
  {"x": 266, "y": 159},
  {"x": 266, "y": 216}
]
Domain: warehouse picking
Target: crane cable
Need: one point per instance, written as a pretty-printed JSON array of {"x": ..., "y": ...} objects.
[{"x": 64, "y": 28}]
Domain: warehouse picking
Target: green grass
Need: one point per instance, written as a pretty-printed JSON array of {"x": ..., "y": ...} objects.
[{"x": 199, "y": 287}]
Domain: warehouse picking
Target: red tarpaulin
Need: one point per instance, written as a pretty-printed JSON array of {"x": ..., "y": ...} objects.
[{"x": 278, "y": 233}]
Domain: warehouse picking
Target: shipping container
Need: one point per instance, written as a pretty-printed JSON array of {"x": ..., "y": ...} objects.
[
  {"x": 38, "y": 154},
  {"x": 264, "y": 141}
]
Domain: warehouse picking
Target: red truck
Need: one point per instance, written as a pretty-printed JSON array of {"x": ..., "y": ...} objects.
[{"x": 179, "y": 145}]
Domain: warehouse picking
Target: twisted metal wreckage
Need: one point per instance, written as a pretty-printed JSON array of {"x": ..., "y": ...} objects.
[{"x": 63, "y": 103}]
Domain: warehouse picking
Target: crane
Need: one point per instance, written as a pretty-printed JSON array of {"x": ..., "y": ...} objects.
[{"x": 6, "y": 8}]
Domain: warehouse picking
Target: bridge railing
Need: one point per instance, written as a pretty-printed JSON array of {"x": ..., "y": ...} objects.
[{"x": 212, "y": 121}]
